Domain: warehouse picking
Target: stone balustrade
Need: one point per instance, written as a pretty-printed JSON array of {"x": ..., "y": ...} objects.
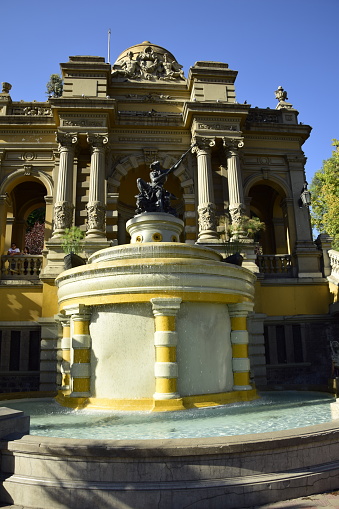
[
  {"x": 334, "y": 261},
  {"x": 275, "y": 265},
  {"x": 20, "y": 267}
]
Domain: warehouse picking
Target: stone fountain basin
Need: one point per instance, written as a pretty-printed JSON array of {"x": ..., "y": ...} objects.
[
  {"x": 191, "y": 272},
  {"x": 223, "y": 472}
]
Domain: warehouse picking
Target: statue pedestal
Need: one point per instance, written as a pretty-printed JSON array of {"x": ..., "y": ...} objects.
[{"x": 154, "y": 227}]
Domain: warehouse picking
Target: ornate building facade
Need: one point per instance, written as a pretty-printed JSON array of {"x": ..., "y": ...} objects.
[{"x": 79, "y": 154}]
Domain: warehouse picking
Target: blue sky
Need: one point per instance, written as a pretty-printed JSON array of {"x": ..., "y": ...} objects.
[{"x": 291, "y": 43}]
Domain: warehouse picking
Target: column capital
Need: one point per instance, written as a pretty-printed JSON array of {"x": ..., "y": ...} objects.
[
  {"x": 232, "y": 145},
  {"x": 66, "y": 140},
  {"x": 296, "y": 161},
  {"x": 78, "y": 311},
  {"x": 162, "y": 306},
  {"x": 97, "y": 140},
  {"x": 240, "y": 309},
  {"x": 202, "y": 144}
]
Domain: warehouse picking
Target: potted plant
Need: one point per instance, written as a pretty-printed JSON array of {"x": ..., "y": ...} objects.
[
  {"x": 72, "y": 244},
  {"x": 246, "y": 227}
]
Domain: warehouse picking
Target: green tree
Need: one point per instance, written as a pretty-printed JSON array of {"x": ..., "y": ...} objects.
[
  {"x": 55, "y": 86},
  {"x": 325, "y": 197}
]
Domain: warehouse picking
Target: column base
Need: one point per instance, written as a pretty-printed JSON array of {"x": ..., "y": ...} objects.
[
  {"x": 208, "y": 236},
  {"x": 159, "y": 396},
  {"x": 167, "y": 405},
  {"x": 93, "y": 234}
]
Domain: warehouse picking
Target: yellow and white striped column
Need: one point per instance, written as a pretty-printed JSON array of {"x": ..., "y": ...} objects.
[
  {"x": 239, "y": 339},
  {"x": 65, "y": 354},
  {"x": 80, "y": 361},
  {"x": 165, "y": 342}
]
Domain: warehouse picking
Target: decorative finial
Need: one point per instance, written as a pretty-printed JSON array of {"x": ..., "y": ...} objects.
[
  {"x": 281, "y": 95},
  {"x": 6, "y": 87}
]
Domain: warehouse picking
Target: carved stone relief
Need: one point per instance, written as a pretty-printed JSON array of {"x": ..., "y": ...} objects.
[
  {"x": 96, "y": 215},
  {"x": 148, "y": 65},
  {"x": 206, "y": 218},
  {"x": 37, "y": 110},
  {"x": 63, "y": 213}
]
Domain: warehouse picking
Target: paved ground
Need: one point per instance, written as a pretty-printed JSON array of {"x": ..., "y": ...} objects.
[{"x": 325, "y": 501}]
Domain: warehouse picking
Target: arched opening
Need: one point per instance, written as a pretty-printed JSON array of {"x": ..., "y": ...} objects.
[
  {"x": 127, "y": 197},
  {"x": 24, "y": 198},
  {"x": 266, "y": 204}
]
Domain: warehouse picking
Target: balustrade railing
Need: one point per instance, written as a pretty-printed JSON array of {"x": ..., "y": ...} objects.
[
  {"x": 334, "y": 261},
  {"x": 20, "y": 266},
  {"x": 279, "y": 265}
]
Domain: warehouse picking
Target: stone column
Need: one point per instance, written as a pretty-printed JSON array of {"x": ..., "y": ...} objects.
[
  {"x": 206, "y": 205},
  {"x": 4, "y": 206},
  {"x": 237, "y": 205},
  {"x": 80, "y": 355},
  {"x": 63, "y": 207},
  {"x": 65, "y": 354},
  {"x": 96, "y": 207},
  {"x": 239, "y": 340},
  {"x": 165, "y": 342}
]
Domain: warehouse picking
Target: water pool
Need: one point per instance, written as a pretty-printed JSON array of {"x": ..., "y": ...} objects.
[{"x": 274, "y": 411}]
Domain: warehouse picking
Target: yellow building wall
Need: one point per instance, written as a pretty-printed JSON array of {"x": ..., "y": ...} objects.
[
  {"x": 20, "y": 304},
  {"x": 280, "y": 299},
  {"x": 334, "y": 289},
  {"x": 50, "y": 300}
]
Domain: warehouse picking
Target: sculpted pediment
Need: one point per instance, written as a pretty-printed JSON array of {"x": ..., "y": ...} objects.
[{"x": 147, "y": 61}]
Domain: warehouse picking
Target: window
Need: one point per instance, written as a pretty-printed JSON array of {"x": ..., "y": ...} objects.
[{"x": 284, "y": 344}]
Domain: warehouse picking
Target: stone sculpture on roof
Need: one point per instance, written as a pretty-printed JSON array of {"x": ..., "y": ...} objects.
[{"x": 148, "y": 62}]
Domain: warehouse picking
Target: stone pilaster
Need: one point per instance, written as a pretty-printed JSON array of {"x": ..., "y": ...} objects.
[
  {"x": 237, "y": 205},
  {"x": 96, "y": 207},
  {"x": 239, "y": 339},
  {"x": 165, "y": 342},
  {"x": 305, "y": 253},
  {"x": 206, "y": 205},
  {"x": 80, "y": 353},
  {"x": 63, "y": 207}
]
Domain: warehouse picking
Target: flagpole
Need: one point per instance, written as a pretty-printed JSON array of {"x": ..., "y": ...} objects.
[{"x": 109, "y": 46}]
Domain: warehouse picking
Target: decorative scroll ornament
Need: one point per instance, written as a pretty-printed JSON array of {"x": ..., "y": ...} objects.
[
  {"x": 207, "y": 217},
  {"x": 97, "y": 140},
  {"x": 232, "y": 145},
  {"x": 203, "y": 143},
  {"x": 66, "y": 139},
  {"x": 63, "y": 213},
  {"x": 148, "y": 65},
  {"x": 96, "y": 216}
]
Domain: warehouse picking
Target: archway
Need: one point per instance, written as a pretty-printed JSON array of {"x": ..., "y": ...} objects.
[
  {"x": 23, "y": 198},
  {"x": 266, "y": 203}
]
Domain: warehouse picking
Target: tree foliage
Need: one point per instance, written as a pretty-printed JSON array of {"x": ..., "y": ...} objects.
[
  {"x": 34, "y": 238},
  {"x": 55, "y": 86},
  {"x": 325, "y": 197},
  {"x": 37, "y": 216}
]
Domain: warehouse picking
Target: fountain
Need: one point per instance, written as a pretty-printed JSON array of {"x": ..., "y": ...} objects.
[{"x": 189, "y": 307}]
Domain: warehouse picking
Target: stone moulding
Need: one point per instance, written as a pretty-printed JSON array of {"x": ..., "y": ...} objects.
[{"x": 236, "y": 472}]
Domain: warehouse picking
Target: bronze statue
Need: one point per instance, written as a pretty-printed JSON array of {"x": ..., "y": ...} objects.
[{"x": 152, "y": 196}]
